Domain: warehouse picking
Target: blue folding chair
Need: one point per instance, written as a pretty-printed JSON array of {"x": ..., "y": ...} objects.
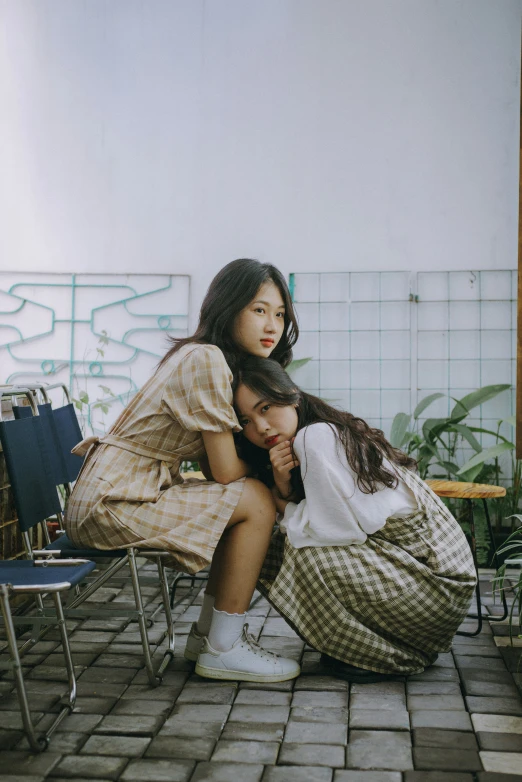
[
  {"x": 22, "y": 412},
  {"x": 64, "y": 432},
  {"x": 38, "y": 578},
  {"x": 37, "y": 451}
]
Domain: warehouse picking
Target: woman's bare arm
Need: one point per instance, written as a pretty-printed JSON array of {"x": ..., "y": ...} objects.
[
  {"x": 282, "y": 502},
  {"x": 225, "y": 465},
  {"x": 204, "y": 466}
]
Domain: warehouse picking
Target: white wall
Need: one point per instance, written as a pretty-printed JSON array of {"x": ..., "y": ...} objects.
[{"x": 175, "y": 135}]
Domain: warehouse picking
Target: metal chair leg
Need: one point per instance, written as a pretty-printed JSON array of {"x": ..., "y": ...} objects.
[
  {"x": 477, "y": 590},
  {"x": 67, "y": 708},
  {"x": 142, "y": 622},
  {"x": 169, "y": 653},
  {"x": 173, "y": 588},
  {"x": 36, "y": 744},
  {"x": 110, "y": 571},
  {"x": 496, "y": 563},
  {"x": 183, "y": 577}
]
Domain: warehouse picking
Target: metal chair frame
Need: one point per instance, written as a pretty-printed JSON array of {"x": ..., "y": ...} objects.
[
  {"x": 452, "y": 489},
  {"x": 120, "y": 558},
  {"x": 54, "y": 587},
  {"x": 193, "y": 577},
  {"x": 478, "y": 616}
]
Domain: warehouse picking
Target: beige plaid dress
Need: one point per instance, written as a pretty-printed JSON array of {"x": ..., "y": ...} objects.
[
  {"x": 130, "y": 491},
  {"x": 389, "y": 605}
]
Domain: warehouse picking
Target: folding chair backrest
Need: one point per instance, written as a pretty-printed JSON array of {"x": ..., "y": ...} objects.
[
  {"x": 22, "y": 412},
  {"x": 27, "y": 456},
  {"x": 62, "y": 432},
  {"x": 68, "y": 435},
  {"x": 57, "y": 465}
]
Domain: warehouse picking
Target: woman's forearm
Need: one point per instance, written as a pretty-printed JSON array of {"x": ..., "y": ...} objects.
[
  {"x": 282, "y": 502},
  {"x": 224, "y": 463},
  {"x": 233, "y": 473},
  {"x": 228, "y": 473},
  {"x": 284, "y": 489}
]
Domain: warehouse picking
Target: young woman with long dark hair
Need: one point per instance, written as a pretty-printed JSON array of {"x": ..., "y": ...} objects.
[
  {"x": 368, "y": 566},
  {"x": 130, "y": 491}
]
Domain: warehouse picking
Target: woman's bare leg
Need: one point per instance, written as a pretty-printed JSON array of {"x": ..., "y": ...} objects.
[
  {"x": 240, "y": 553},
  {"x": 234, "y": 572}
]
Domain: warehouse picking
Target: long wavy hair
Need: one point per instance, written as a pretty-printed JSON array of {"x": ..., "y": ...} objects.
[
  {"x": 231, "y": 290},
  {"x": 365, "y": 447}
]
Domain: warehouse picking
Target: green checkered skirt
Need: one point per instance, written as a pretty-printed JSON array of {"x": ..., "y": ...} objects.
[{"x": 389, "y": 605}]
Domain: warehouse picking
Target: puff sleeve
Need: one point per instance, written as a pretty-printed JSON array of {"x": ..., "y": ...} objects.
[{"x": 198, "y": 393}]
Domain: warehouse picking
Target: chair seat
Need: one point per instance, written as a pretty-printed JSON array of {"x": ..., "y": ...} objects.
[
  {"x": 28, "y": 575},
  {"x": 66, "y": 547},
  {"x": 465, "y": 491}
]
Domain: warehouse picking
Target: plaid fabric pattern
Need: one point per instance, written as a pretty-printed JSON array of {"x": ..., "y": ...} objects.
[
  {"x": 123, "y": 498},
  {"x": 389, "y": 605}
]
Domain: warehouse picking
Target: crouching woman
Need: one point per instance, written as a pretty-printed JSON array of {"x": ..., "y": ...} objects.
[{"x": 368, "y": 566}]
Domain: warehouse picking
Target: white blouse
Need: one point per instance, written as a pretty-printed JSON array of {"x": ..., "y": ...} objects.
[{"x": 335, "y": 512}]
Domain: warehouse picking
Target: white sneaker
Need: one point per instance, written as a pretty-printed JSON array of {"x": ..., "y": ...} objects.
[
  {"x": 246, "y": 662},
  {"x": 194, "y": 643}
]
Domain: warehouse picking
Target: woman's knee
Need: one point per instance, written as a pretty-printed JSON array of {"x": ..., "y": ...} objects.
[
  {"x": 258, "y": 492},
  {"x": 256, "y": 502}
]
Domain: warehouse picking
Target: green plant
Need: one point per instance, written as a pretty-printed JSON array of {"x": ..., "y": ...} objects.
[
  {"x": 437, "y": 445},
  {"x": 297, "y": 363},
  {"x": 189, "y": 466},
  {"x": 83, "y": 402}
]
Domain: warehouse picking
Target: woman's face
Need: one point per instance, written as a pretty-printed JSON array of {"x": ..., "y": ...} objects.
[
  {"x": 260, "y": 325},
  {"x": 264, "y": 424}
]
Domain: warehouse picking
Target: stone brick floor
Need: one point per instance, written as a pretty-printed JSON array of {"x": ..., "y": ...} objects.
[{"x": 459, "y": 721}]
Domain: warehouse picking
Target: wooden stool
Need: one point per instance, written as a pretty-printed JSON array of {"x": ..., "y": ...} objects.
[{"x": 469, "y": 492}]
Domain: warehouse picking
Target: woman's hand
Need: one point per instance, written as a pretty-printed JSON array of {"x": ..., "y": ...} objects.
[{"x": 283, "y": 460}]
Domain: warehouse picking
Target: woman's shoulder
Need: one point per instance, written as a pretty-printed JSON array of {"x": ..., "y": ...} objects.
[
  {"x": 196, "y": 353},
  {"x": 194, "y": 366},
  {"x": 316, "y": 435},
  {"x": 201, "y": 349}
]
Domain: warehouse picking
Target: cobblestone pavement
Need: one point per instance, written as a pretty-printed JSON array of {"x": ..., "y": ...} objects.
[{"x": 459, "y": 721}]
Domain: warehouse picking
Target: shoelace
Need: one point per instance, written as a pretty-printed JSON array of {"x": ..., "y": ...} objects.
[{"x": 258, "y": 649}]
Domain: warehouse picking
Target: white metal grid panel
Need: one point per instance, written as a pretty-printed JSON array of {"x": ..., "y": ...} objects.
[
  {"x": 356, "y": 326},
  {"x": 382, "y": 341}
]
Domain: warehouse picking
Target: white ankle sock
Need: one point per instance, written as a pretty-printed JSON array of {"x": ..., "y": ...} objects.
[
  {"x": 225, "y": 630},
  {"x": 205, "y": 617}
]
